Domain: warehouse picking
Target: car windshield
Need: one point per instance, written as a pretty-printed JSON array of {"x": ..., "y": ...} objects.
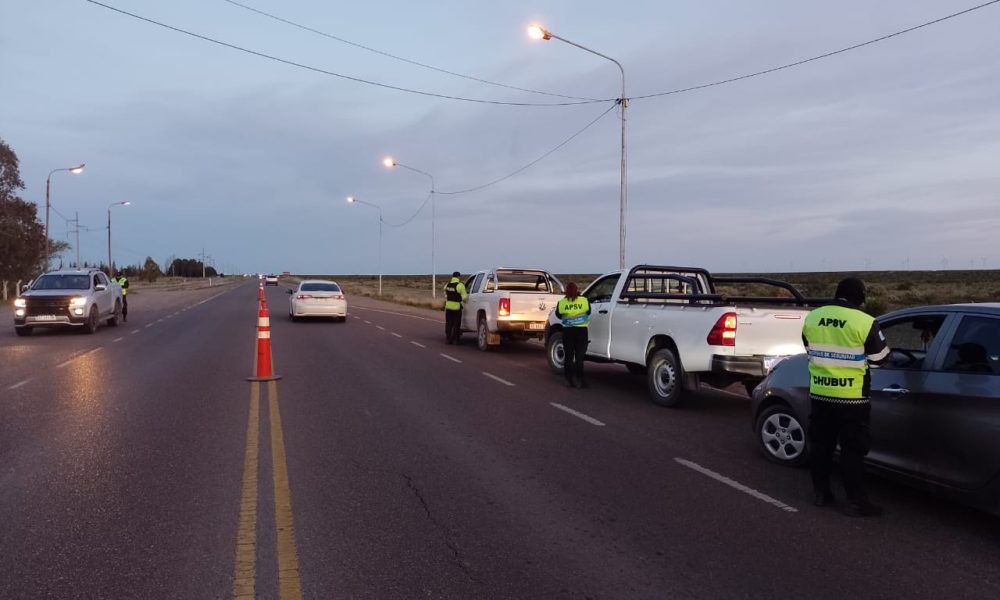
[
  {"x": 62, "y": 282},
  {"x": 319, "y": 287}
]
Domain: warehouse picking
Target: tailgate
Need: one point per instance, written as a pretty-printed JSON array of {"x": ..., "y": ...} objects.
[
  {"x": 530, "y": 306},
  {"x": 769, "y": 331}
]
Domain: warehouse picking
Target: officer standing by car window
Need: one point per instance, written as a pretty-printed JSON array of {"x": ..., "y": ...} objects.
[
  {"x": 122, "y": 281},
  {"x": 841, "y": 341},
  {"x": 455, "y": 295},
  {"x": 574, "y": 312}
]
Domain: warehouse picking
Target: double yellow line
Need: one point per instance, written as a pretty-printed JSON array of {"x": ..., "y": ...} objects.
[{"x": 244, "y": 577}]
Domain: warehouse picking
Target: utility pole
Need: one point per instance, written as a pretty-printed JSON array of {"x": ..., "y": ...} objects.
[{"x": 202, "y": 262}]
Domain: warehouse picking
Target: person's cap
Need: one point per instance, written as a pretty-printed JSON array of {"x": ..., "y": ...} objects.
[
  {"x": 456, "y": 274},
  {"x": 852, "y": 289}
]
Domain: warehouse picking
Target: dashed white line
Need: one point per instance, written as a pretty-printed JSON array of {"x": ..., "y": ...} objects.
[
  {"x": 135, "y": 331},
  {"x": 500, "y": 379},
  {"x": 367, "y": 322},
  {"x": 396, "y": 334},
  {"x": 159, "y": 320},
  {"x": 18, "y": 384},
  {"x": 578, "y": 414},
  {"x": 380, "y": 327},
  {"x": 356, "y": 317},
  {"x": 150, "y": 325},
  {"x": 735, "y": 485},
  {"x": 118, "y": 339},
  {"x": 418, "y": 344},
  {"x": 451, "y": 358},
  {"x": 389, "y": 312},
  {"x": 88, "y": 352}
]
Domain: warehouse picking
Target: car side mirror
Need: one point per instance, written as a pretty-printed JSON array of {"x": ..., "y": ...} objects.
[
  {"x": 24, "y": 288},
  {"x": 100, "y": 287}
]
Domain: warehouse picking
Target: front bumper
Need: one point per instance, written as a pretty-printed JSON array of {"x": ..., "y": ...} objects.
[{"x": 60, "y": 321}]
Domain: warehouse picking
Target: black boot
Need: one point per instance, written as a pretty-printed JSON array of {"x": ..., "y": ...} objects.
[
  {"x": 823, "y": 498},
  {"x": 570, "y": 383}
]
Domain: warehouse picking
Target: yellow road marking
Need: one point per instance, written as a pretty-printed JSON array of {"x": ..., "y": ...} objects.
[
  {"x": 246, "y": 536},
  {"x": 289, "y": 586}
]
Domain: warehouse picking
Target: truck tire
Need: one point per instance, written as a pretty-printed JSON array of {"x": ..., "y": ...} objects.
[
  {"x": 555, "y": 353},
  {"x": 92, "y": 321},
  {"x": 482, "y": 335},
  {"x": 116, "y": 316},
  {"x": 664, "y": 378},
  {"x": 22, "y": 331}
]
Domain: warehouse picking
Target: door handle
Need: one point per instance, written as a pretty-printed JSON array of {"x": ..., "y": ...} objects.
[
  {"x": 895, "y": 390},
  {"x": 603, "y": 312}
]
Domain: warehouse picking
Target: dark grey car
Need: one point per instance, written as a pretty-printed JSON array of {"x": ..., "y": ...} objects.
[{"x": 935, "y": 419}]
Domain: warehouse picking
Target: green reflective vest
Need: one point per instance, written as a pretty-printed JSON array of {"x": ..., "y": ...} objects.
[
  {"x": 455, "y": 294},
  {"x": 575, "y": 312},
  {"x": 122, "y": 281},
  {"x": 836, "y": 347}
]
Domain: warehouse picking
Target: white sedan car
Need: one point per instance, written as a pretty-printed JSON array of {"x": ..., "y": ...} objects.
[{"x": 317, "y": 298}]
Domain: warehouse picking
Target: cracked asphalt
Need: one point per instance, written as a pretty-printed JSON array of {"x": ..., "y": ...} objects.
[{"x": 404, "y": 468}]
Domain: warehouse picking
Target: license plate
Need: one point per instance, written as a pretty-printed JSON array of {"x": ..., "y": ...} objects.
[
  {"x": 536, "y": 325},
  {"x": 45, "y": 317}
]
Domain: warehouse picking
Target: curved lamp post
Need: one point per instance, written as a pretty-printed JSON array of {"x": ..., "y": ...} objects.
[
  {"x": 111, "y": 269},
  {"x": 48, "y": 203},
  {"x": 390, "y": 162},
  {"x": 353, "y": 200}
]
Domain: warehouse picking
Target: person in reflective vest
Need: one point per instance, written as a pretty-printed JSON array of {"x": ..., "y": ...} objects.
[
  {"x": 574, "y": 312},
  {"x": 455, "y": 295},
  {"x": 122, "y": 281},
  {"x": 841, "y": 341}
]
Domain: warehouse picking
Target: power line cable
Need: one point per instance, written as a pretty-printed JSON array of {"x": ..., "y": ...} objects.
[
  {"x": 537, "y": 160},
  {"x": 335, "y": 74},
  {"x": 400, "y": 58},
  {"x": 413, "y": 216},
  {"x": 819, "y": 57}
]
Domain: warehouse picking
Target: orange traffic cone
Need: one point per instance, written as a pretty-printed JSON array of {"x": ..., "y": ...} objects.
[
  {"x": 260, "y": 292},
  {"x": 264, "y": 372}
]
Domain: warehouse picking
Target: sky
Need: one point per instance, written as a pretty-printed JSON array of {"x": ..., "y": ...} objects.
[{"x": 885, "y": 157}]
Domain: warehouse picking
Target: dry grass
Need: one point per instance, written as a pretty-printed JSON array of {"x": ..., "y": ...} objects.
[{"x": 887, "y": 290}]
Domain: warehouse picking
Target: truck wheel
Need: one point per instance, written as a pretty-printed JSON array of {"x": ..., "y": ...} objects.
[
  {"x": 482, "y": 335},
  {"x": 113, "y": 321},
  {"x": 555, "y": 352},
  {"x": 92, "y": 321},
  {"x": 664, "y": 378},
  {"x": 22, "y": 331}
]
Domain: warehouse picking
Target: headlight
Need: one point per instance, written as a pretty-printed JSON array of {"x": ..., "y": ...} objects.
[
  {"x": 20, "y": 303},
  {"x": 78, "y": 301}
]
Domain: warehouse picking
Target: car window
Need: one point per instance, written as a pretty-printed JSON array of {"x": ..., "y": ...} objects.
[
  {"x": 975, "y": 347},
  {"x": 476, "y": 283},
  {"x": 524, "y": 281},
  {"x": 319, "y": 287},
  {"x": 602, "y": 289},
  {"x": 910, "y": 338},
  {"x": 103, "y": 278},
  {"x": 490, "y": 284},
  {"x": 96, "y": 280}
]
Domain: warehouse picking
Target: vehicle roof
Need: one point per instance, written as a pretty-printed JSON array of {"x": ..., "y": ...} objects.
[
  {"x": 72, "y": 271},
  {"x": 317, "y": 281},
  {"x": 969, "y": 307}
]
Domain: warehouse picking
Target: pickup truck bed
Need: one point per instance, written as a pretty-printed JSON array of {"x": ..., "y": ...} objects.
[{"x": 508, "y": 304}]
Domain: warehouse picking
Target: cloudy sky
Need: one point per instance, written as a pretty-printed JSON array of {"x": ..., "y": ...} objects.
[{"x": 885, "y": 156}]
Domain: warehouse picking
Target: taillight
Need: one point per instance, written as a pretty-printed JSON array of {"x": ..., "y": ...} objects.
[
  {"x": 503, "y": 309},
  {"x": 724, "y": 331},
  {"x": 302, "y": 296}
]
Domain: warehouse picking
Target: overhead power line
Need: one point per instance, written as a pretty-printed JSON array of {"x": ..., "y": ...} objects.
[
  {"x": 411, "y": 217},
  {"x": 819, "y": 57},
  {"x": 400, "y": 58},
  {"x": 332, "y": 73}
]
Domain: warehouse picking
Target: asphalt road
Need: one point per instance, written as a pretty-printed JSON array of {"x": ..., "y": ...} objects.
[{"x": 139, "y": 463}]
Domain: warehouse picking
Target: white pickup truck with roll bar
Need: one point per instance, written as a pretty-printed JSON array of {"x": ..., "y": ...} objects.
[{"x": 674, "y": 326}]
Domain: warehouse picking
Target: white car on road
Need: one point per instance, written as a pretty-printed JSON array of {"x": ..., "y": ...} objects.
[{"x": 317, "y": 298}]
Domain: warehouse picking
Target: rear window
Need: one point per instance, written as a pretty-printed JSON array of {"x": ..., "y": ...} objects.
[
  {"x": 320, "y": 287},
  {"x": 527, "y": 281},
  {"x": 62, "y": 282}
]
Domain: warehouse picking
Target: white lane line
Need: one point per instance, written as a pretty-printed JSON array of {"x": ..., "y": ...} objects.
[
  {"x": 396, "y": 334},
  {"x": 88, "y": 352},
  {"x": 578, "y": 414},
  {"x": 451, "y": 358},
  {"x": 367, "y": 322},
  {"x": 418, "y": 344},
  {"x": 18, "y": 384},
  {"x": 389, "y": 312},
  {"x": 380, "y": 327},
  {"x": 356, "y": 317},
  {"x": 736, "y": 485},
  {"x": 159, "y": 320},
  {"x": 495, "y": 378},
  {"x": 150, "y": 325},
  {"x": 118, "y": 339},
  {"x": 135, "y": 331}
]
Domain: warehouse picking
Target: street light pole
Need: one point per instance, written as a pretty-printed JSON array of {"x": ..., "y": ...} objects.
[
  {"x": 540, "y": 33},
  {"x": 391, "y": 162},
  {"x": 48, "y": 203},
  {"x": 111, "y": 270},
  {"x": 353, "y": 200}
]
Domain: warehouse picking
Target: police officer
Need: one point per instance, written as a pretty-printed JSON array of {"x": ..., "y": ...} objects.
[
  {"x": 455, "y": 295},
  {"x": 122, "y": 281},
  {"x": 574, "y": 312},
  {"x": 841, "y": 341}
]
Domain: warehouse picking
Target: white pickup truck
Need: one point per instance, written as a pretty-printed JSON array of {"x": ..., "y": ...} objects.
[
  {"x": 80, "y": 298},
  {"x": 671, "y": 324},
  {"x": 509, "y": 304}
]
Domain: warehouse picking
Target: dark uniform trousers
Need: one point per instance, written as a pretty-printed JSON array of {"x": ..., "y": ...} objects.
[
  {"x": 575, "y": 340},
  {"x": 829, "y": 423},
  {"x": 453, "y": 325}
]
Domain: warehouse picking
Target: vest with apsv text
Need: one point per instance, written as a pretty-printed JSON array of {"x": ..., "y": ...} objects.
[
  {"x": 837, "y": 362},
  {"x": 575, "y": 312}
]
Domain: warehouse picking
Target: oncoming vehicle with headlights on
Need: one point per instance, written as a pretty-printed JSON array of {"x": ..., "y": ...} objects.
[
  {"x": 79, "y": 298},
  {"x": 317, "y": 298}
]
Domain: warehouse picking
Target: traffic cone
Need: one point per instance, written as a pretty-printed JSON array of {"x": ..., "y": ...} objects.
[
  {"x": 260, "y": 292},
  {"x": 264, "y": 371}
]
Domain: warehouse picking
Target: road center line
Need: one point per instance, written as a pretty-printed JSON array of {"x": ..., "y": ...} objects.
[
  {"x": 135, "y": 331},
  {"x": 76, "y": 356},
  {"x": 118, "y": 339},
  {"x": 389, "y": 312},
  {"x": 451, "y": 358},
  {"x": 18, "y": 384},
  {"x": 150, "y": 325},
  {"x": 244, "y": 576},
  {"x": 578, "y": 414},
  {"x": 159, "y": 320},
  {"x": 289, "y": 585},
  {"x": 418, "y": 344},
  {"x": 735, "y": 485},
  {"x": 380, "y": 327},
  {"x": 396, "y": 334},
  {"x": 367, "y": 322},
  {"x": 495, "y": 378}
]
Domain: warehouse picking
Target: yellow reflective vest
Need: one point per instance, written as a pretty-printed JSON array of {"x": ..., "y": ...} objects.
[
  {"x": 835, "y": 336},
  {"x": 574, "y": 313}
]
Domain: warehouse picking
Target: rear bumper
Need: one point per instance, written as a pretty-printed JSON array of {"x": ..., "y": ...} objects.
[
  {"x": 320, "y": 311},
  {"x": 526, "y": 327},
  {"x": 743, "y": 367}
]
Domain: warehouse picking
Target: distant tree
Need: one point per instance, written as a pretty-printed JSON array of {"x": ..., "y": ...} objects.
[{"x": 150, "y": 270}]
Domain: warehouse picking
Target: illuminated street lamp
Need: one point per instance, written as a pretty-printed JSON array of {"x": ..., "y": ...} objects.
[
  {"x": 353, "y": 200},
  {"x": 391, "y": 162},
  {"x": 48, "y": 204},
  {"x": 111, "y": 270},
  {"x": 537, "y": 32}
]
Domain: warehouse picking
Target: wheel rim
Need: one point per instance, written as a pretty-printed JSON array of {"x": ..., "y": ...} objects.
[
  {"x": 783, "y": 436},
  {"x": 557, "y": 352},
  {"x": 665, "y": 379}
]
